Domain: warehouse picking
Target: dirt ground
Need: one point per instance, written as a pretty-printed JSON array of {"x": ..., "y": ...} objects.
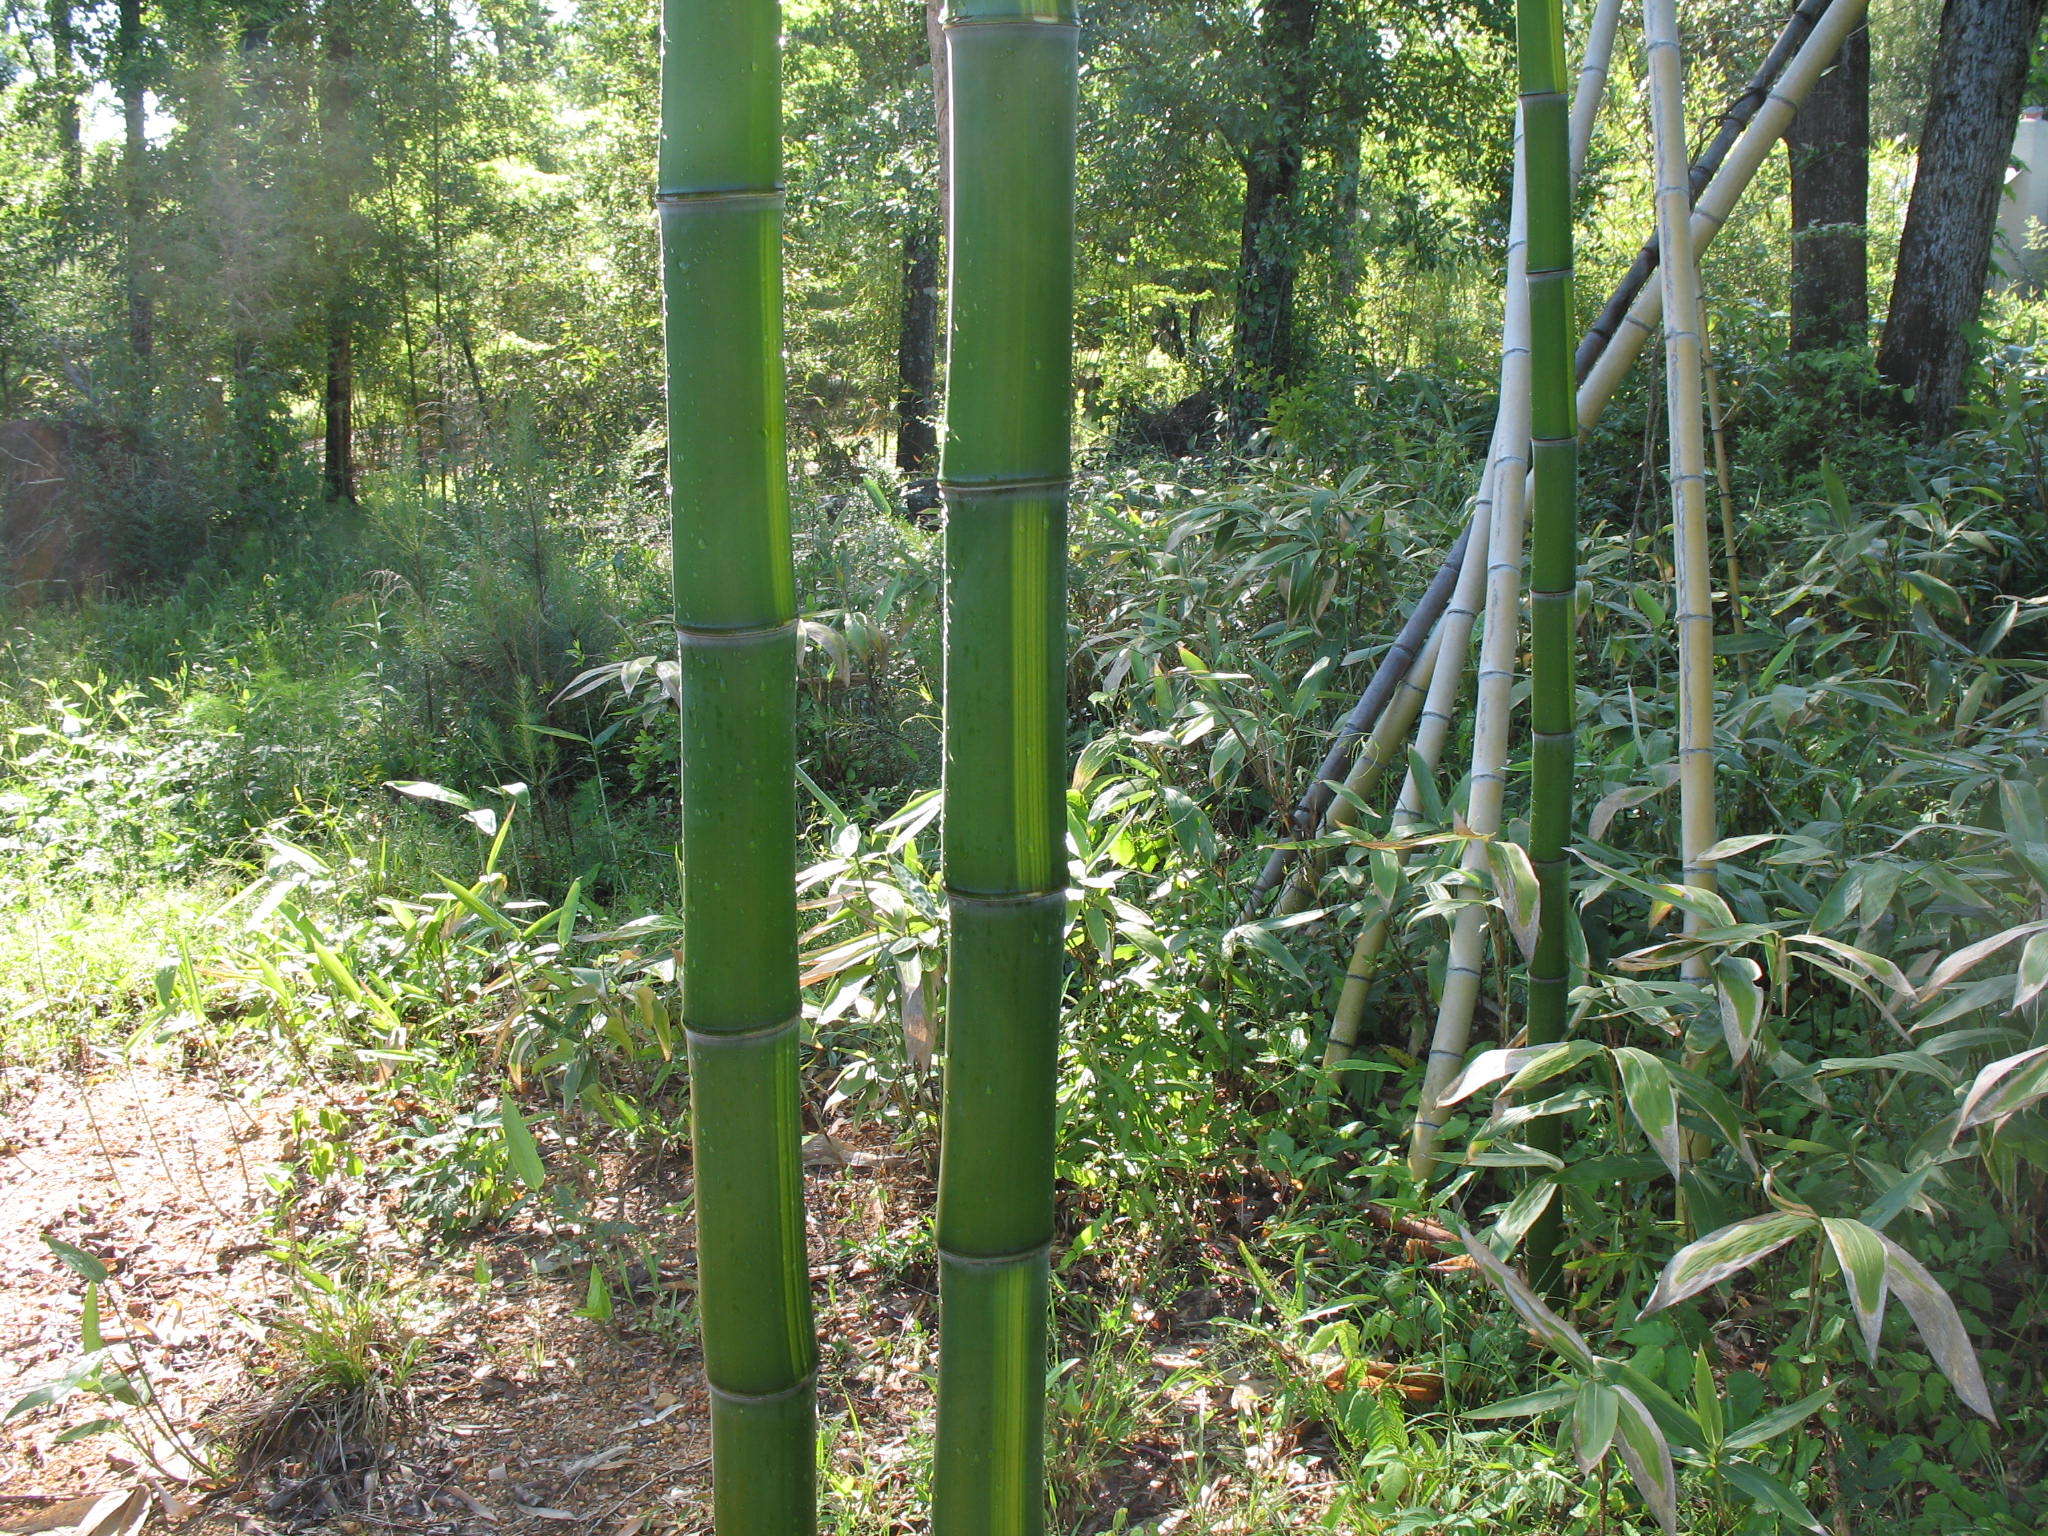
[{"x": 521, "y": 1416}]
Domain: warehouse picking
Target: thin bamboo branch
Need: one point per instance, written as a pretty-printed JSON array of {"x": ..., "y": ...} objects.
[{"x": 1717, "y": 422}]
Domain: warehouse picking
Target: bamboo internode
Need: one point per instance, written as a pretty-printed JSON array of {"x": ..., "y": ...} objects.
[
  {"x": 720, "y": 203},
  {"x": 1003, "y": 474}
]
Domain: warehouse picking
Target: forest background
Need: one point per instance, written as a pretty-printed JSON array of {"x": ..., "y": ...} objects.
[{"x": 341, "y": 323}]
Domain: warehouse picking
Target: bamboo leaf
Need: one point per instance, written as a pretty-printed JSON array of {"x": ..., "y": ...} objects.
[
  {"x": 1861, "y": 1254},
  {"x": 1514, "y": 881},
  {"x": 89, "y": 1320},
  {"x": 1532, "y": 1201},
  {"x": 1721, "y": 1110},
  {"x": 1713, "y": 1258},
  {"x": 1773, "y": 1424},
  {"x": 1874, "y": 966},
  {"x": 1766, "y": 1492},
  {"x": 2033, "y": 973},
  {"x": 1531, "y": 1403},
  {"x": 1594, "y": 1416},
  {"x": 1941, "y": 1328},
  {"x": 1647, "y": 1454},
  {"x": 1544, "y": 1323},
  {"x": 1970, "y": 955},
  {"x": 1729, "y": 847},
  {"x": 520, "y": 1148},
  {"x": 420, "y": 789},
  {"x": 1741, "y": 996},
  {"x": 597, "y": 1297},
  {"x": 1653, "y": 1101},
  {"x": 1525, "y": 1064},
  {"x": 2004, "y": 1088},
  {"x": 77, "y": 1260}
]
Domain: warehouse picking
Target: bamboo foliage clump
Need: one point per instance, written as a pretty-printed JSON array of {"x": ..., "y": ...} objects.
[
  {"x": 720, "y": 202},
  {"x": 1003, "y": 473}
]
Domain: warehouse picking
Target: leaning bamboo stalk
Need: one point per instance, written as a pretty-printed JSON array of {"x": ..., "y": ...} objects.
[
  {"x": 1460, "y": 997},
  {"x": 1691, "y": 558},
  {"x": 1448, "y": 647},
  {"x": 1385, "y": 683},
  {"x": 1493, "y": 701},
  {"x": 1381, "y": 746},
  {"x": 1591, "y": 90},
  {"x": 720, "y": 204},
  {"x": 1613, "y": 357},
  {"x": 1592, "y": 87},
  {"x": 1714, "y": 204},
  {"x": 1445, "y": 683},
  {"x": 1004, "y": 467},
  {"x": 1734, "y": 118}
]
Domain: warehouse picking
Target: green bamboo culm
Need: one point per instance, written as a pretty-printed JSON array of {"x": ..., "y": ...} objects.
[
  {"x": 720, "y": 201},
  {"x": 1553, "y": 559},
  {"x": 1003, "y": 471}
]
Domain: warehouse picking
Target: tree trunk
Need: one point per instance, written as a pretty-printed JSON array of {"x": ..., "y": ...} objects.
[
  {"x": 64, "y": 62},
  {"x": 1829, "y": 148},
  {"x": 338, "y": 466},
  {"x": 129, "y": 66},
  {"x": 1269, "y": 244},
  {"x": 917, "y": 353},
  {"x": 1980, "y": 70},
  {"x": 338, "y": 470}
]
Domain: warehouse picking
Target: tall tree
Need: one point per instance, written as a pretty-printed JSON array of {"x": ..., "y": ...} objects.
[
  {"x": 917, "y": 335},
  {"x": 338, "y": 141},
  {"x": 1980, "y": 71},
  {"x": 1263, "y": 347},
  {"x": 64, "y": 83},
  {"x": 131, "y": 77},
  {"x": 917, "y": 351},
  {"x": 1829, "y": 149}
]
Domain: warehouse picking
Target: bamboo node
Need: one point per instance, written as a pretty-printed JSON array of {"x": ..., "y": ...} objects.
[
  {"x": 728, "y": 198},
  {"x": 703, "y": 1038},
  {"x": 958, "y": 23},
  {"x": 1006, "y": 899},
  {"x": 1029, "y": 1255},
  {"x": 1004, "y": 490},
  {"x": 751, "y": 634},
  {"x": 807, "y": 1383}
]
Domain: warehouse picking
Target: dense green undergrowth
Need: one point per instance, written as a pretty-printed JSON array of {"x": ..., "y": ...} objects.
[{"x": 388, "y": 796}]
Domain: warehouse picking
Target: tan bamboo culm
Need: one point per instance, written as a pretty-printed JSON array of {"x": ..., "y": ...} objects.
[{"x": 1678, "y": 276}]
